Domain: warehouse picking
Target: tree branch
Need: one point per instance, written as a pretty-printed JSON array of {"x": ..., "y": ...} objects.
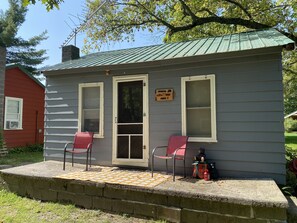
[{"x": 241, "y": 7}]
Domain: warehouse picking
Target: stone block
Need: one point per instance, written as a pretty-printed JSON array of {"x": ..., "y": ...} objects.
[
  {"x": 217, "y": 207},
  {"x": 121, "y": 206},
  {"x": 193, "y": 216},
  {"x": 174, "y": 201},
  {"x": 75, "y": 187},
  {"x": 169, "y": 213},
  {"x": 188, "y": 203},
  {"x": 133, "y": 195},
  {"x": 154, "y": 198},
  {"x": 116, "y": 193},
  {"x": 42, "y": 183},
  {"x": 83, "y": 200},
  {"x": 49, "y": 195},
  {"x": 94, "y": 190},
  {"x": 37, "y": 194},
  {"x": 66, "y": 197},
  {"x": 215, "y": 217},
  {"x": 270, "y": 213},
  {"x": 102, "y": 203},
  {"x": 144, "y": 209},
  {"x": 59, "y": 185}
]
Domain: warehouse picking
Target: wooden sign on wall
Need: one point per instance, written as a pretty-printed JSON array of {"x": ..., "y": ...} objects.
[{"x": 164, "y": 94}]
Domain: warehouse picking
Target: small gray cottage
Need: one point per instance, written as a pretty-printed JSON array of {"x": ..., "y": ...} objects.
[{"x": 224, "y": 92}]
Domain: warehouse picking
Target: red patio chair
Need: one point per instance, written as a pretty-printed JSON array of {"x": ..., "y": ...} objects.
[
  {"x": 175, "y": 150},
  {"x": 82, "y": 144}
]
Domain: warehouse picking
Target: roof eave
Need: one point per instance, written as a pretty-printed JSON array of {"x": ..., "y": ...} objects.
[{"x": 167, "y": 62}]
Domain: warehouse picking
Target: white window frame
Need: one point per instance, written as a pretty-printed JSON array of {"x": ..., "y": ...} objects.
[
  {"x": 101, "y": 108},
  {"x": 20, "y": 100},
  {"x": 184, "y": 80}
]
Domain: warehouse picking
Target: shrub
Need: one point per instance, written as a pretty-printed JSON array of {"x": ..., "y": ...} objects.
[
  {"x": 28, "y": 148},
  {"x": 290, "y": 125},
  {"x": 291, "y": 181},
  {"x": 1, "y": 138}
]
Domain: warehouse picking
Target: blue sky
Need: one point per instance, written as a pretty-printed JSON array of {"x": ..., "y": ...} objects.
[{"x": 39, "y": 20}]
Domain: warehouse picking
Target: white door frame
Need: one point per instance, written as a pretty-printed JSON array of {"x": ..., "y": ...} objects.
[{"x": 131, "y": 162}]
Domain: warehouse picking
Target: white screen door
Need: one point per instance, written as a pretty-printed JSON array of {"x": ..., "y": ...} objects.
[{"x": 130, "y": 127}]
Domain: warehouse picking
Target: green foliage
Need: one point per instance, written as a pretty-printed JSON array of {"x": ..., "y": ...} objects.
[
  {"x": 290, "y": 125},
  {"x": 290, "y": 81},
  {"x": 50, "y": 4},
  {"x": 291, "y": 153},
  {"x": 1, "y": 138},
  {"x": 17, "y": 159},
  {"x": 28, "y": 148},
  {"x": 10, "y": 21},
  {"x": 118, "y": 20},
  {"x": 20, "y": 51}
]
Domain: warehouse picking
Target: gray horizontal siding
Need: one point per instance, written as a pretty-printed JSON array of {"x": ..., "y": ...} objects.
[{"x": 249, "y": 114}]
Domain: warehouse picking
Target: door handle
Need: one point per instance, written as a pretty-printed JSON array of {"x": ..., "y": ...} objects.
[{"x": 144, "y": 147}]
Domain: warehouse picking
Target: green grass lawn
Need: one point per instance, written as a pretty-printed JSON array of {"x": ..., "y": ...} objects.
[
  {"x": 16, "y": 159},
  {"x": 16, "y": 209},
  {"x": 291, "y": 140}
]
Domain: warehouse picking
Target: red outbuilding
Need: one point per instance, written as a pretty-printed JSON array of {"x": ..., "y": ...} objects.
[{"x": 23, "y": 108}]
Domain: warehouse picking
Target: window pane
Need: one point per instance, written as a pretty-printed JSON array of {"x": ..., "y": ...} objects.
[
  {"x": 130, "y": 129},
  {"x": 123, "y": 147},
  {"x": 136, "y": 147},
  {"x": 91, "y": 120},
  {"x": 90, "y": 109},
  {"x": 12, "y": 106},
  {"x": 130, "y": 103},
  {"x": 91, "y": 97},
  {"x": 199, "y": 122},
  {"x": 14, "y": 117},
  {"x": 198, "y": 93}
]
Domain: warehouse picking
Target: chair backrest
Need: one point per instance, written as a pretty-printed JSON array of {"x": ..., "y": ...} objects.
[
  {"x": 176, "y": 142},
  {"x": 82, "y": 140}
]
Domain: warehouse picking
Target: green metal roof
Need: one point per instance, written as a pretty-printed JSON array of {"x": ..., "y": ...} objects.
[{"x": 204, "y": 46}]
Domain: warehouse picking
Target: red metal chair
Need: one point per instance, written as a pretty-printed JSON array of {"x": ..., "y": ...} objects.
[
  {"x": 175, "y": 150},
  {"x": 82, "y": 144}
]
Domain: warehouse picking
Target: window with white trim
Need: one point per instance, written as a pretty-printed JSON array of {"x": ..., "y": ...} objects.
[
  {"x": 199, "y": 108},
  {"x": 90, "y": 111},
  {"x": 13, "y": 113}
]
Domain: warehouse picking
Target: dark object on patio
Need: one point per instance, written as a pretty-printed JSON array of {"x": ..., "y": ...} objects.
[
  {"x": 175, "y": 150},
  {"x": 214, "y": 175},
  {"x": 201, "y": 157},
  {"x": 82, "y": 144}
]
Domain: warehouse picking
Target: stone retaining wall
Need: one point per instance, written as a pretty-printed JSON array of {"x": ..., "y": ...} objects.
[{"x": 140, "y": 202}]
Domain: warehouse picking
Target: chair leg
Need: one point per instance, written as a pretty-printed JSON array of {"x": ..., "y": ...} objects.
[
  {"x": 184, "y": 167},
  {"x": 166, "y": 166},
  {"x": 152, "y": 166},
  {"x": 64, "y": 160},
  {"x": 173, "y": 169},
  {"x": 87, "y": 161},
  {"x": 90, "y": 161}
]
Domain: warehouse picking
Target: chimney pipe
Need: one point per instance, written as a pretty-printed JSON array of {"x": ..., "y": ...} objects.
[{"x": 70, "y": 53}]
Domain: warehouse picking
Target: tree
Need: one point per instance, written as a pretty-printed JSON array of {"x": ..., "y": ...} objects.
[
  {"x": 118, "y": 20},
  {"x": 50, "y": 4},
  {"x": 19, "y": 51}
]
